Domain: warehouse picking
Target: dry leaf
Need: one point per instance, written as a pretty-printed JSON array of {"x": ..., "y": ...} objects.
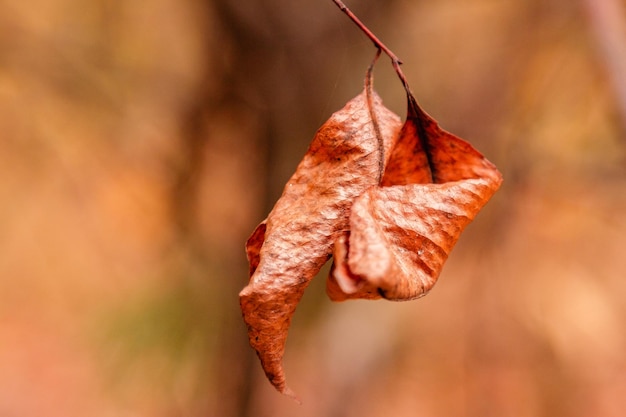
[
  {"x": 390, "y": 205},
  {"x": 293, "y": 243},
  {"x": 402, "y": 232}
]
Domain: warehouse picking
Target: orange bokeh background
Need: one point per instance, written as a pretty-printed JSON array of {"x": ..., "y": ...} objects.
[{"x": 140, "y": 144}]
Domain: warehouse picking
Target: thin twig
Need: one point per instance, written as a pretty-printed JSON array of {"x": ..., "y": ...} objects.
[{"x": 395, "y": 61}]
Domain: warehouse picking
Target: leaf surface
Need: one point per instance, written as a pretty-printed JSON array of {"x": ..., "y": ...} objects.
[
  {"x": 402, "y": 231},
  {"x": 345, "y": 158}
]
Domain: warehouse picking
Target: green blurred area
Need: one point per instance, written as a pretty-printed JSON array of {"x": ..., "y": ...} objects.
[{"x": 141, "y": 143}]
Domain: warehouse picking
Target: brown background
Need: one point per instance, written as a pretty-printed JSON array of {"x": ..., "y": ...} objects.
[{"x": 141, "y": 142}]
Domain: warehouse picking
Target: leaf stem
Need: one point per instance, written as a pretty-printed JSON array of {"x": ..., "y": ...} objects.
[
  {"x": 395, "y": 61},
  {"x": 369, "y": 93}
]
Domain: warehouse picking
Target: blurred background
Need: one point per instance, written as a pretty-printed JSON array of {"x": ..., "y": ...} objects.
[{"x": 141, "y": 143}]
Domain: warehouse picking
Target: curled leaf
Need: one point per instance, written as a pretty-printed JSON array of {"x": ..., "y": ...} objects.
[
  {"x": 293, "y": 243},
  {"x": 402, "y": 232},
  {"x": 391, "y": 208}
]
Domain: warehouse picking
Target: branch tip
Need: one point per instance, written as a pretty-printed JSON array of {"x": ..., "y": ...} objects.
[{"x": 395, "y": 61}]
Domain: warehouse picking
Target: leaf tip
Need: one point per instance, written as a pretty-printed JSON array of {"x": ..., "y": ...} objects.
[{"x": 289, "y": 393}]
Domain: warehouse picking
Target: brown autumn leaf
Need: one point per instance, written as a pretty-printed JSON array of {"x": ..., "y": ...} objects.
[
  {"x": 390, "y": 206},
  {"x": 402, "y": 232},
  {"x": 287, "y": 250}
]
